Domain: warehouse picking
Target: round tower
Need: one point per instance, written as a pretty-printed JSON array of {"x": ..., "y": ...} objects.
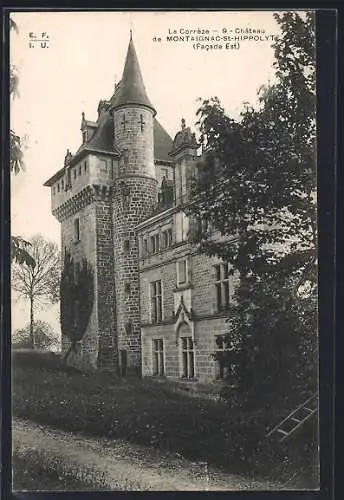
[{"x": 134, "y": 196}]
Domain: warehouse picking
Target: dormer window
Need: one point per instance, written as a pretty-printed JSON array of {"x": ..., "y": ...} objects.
[{"x": 84, "y": 136}]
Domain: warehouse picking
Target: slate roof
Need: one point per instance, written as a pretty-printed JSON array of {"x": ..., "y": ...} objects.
[
  {"x": 132, "y": 89},
  {"x": 162, "y": 143}
]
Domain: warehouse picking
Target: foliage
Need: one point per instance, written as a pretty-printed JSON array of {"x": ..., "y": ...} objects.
[
  {"x": 38, "y": 284},
  {"x": 19, "y": 252},
  {"x": 76, "y": 298},
  {"x": 257, "y": 188},
  {"x": 152, "y": 414},
  {"x": 44, "y": 335},
  {"x": 19, "y": 247}
]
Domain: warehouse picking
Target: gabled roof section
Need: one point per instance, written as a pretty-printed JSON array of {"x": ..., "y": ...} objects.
[{"x": 132, "y": 89}]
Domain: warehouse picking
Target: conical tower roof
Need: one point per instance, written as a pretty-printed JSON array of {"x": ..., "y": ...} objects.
[{"x": 131, "y": 89}]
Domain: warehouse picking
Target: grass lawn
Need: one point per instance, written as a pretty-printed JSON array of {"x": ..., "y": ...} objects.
[
  {"x": 29, "y": 476},
  {"x": 151, "y": 413}
]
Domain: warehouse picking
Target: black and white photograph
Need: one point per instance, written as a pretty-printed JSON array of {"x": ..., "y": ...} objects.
[{"x": 164, "y": 251}]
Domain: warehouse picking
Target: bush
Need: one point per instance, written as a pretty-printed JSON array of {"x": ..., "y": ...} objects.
[
  {"x": 27, "y": 358},
  {"x": 45, "y": 337}
]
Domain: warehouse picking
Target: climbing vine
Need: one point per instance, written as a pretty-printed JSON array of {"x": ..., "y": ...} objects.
[{"x": 76, "y": 298}]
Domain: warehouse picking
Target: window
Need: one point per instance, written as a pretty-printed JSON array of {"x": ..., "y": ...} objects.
[
  {"x": 76, "y": 230},
  {"x": 158, "y": 357},
  {"x": 164, "y": 173},
  {"x": 145, "y": 247},
  {"x": 222, "y": 286},
  {"x": 156, "y": 298},
  {"x": 188, "y": 357},
  {"x": 181, "y": 272},
  {"x": 221, "y": 347},
  {"x": 128, "y": 328},
  {"x": 62, "y": 184},
  {"x": 127, "y": 288},
  {"x": 85, "y": 166},
  {"x": 53, "y": 190},
  {"x": 126, "y": 245},
  {"x": 167, "y": 238},
  {"x": 58, "y": 187},
  {"x": 79, "y": 169},
  {"x": 74, "y": 172},
  {"x": 155, "y": 243}
]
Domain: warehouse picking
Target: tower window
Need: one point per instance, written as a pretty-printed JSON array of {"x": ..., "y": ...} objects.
[
  {"x": 79, "y": 169},
  {"x": 58, "y": 187},
  {"x": 127, "y": 288},
  {"x": 126, "y": 245},
  {"x": 124, "y": 123},
  {"x": 142, "y": 123},
  {"x": 62, "y": 184},
  {"x": 222, "y": 286},
  {"x": 85, "y": 166},
  {"x": 74, "y": 173},
  {"x": 76, "y": 230},
  {"x": 128, "y": 328}
]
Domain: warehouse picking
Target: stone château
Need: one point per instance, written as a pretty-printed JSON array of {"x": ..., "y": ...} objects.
[{"x": 159, "y": 305}]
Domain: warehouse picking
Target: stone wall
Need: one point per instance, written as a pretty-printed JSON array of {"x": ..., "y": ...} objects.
[
  {"x": 86, "y": 356},
  {"x": 107, "y": 357},
  {"x": 135, "y": 142},
  {"x": 198, "y": 294},
  {"x": 128, "y": 210}
]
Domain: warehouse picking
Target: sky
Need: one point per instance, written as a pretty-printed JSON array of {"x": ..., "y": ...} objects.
[{"x": 83, "y": 61}]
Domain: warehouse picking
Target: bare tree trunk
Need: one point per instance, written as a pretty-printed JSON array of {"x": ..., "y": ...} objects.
[{"x": 32, "y": 337}]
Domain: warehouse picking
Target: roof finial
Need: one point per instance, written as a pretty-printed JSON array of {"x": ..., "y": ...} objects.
[
  {"x": 131, "y": 28},
  {"x": 183, "y": 123}
]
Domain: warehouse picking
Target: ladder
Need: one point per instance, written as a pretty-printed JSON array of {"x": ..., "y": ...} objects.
[{"x": 295, "y": 419}]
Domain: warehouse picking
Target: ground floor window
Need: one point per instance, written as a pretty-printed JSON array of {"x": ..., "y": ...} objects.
[
  {"x": 221, "y": 347},
  {"x": 188, "y": 357},
  {"x": 158, "y": 357}
]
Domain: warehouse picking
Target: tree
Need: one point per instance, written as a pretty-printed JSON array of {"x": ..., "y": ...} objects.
[
  {"x": 38, "y": 284},
  {"x": 44, "y": 335},
  {"x": 76, "y": 298},
  {"x": 19, "y": 247},
  {"x": 257, "y": 188}
]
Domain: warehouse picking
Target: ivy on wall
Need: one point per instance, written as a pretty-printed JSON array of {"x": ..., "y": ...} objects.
[{"x": 76, "y": 298}]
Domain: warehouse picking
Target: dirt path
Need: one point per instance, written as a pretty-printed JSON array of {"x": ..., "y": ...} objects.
[{"x": 123, "y": 465}]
